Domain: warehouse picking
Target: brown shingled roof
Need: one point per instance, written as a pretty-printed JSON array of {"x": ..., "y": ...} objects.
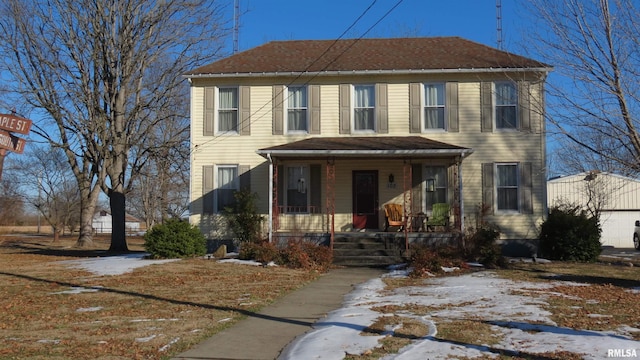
[
  {"x": 366, "y": 145},
  {"x": 399, "y": 54}
]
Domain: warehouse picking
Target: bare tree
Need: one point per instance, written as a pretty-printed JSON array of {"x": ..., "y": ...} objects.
[
  {"x": 102, "y": 71},
  {"x": 11, "y": 202},
  {"x": 161, "y": 189},
  {"x": 593, "y": 94},
  {"x": 48, "y": 185}
]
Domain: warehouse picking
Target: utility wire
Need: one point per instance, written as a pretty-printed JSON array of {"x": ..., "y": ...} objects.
[{"x": 303, "y": 72}]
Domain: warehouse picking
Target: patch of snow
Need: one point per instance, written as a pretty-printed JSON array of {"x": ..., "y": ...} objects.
[
  {"x": 114, "y": 265},
  {"x": 518, "y": 318},
  {"x": 146, "y": 339},
  {"x": 166, "y": 347},
  {"x": 90, "y": 309},
  {"x": 78, "y": 290}
]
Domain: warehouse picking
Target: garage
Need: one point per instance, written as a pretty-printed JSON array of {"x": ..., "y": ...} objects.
[
  {"x": 617, "y": 197},
  {"x": 617, "y": 228}
]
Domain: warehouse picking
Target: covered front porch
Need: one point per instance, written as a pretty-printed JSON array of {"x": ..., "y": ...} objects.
[{"x": 340, "y": 185}]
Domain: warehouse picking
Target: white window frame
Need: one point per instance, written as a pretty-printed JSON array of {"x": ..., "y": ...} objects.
[
  {"x": 217, "y": 182},
  {"x": 218, "y": 108},
  {"x": 307, "y": 171},
  {"x": 305, "y": 108},
  {"x": 424, "y": 106},
  {"x": 496, "y": 105},
  {"x": 516, "y": 186},
  {"x": 354, "y": 108}
]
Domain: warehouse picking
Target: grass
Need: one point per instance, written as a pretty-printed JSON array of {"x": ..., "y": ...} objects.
[
  {"x": 158, "y": 311},
  {"x": 153, "y": 312},
  {"x": 592, "y": 296}
]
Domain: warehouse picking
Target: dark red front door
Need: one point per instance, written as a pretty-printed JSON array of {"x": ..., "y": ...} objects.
[{"x": 365, "y": 199}]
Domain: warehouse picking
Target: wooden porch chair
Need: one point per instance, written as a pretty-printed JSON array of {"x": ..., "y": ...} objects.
[
  {"x": 439, "y": 216},
  {"x": 394, "y": 216}
]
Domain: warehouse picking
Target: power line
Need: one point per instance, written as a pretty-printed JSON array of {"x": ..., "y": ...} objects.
[{"x": 305, "y": 71}]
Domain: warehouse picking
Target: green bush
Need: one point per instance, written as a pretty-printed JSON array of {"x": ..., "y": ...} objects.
[
  {"x": 243, "y": 217},
  {"x": 569, "y": 234},
  {"x": 175, "y": 239},
  {"x": 480, "y": 245}
]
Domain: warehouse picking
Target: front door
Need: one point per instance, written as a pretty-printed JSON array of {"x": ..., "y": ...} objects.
[{"x": 365, "y": 199}]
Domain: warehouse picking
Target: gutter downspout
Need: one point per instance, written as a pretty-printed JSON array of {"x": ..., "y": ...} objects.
[{"x": 270, "y": 225}]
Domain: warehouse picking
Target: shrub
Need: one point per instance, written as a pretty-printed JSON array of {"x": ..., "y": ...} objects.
[
  {"x": 300, "y": 254},
  {"x": 481, "y": 246},
  {"x": 263, "y": 252},
  {"x": 175, "y": 238},
  {"x": 428, "y": 260},
  {"x": 243, "y": 217},
  {"x": 297, "y": 254},
  {"x": 569, "y": 234},
  {"x": 479, "y": 242}
]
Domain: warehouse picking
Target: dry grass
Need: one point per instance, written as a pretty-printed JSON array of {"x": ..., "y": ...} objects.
[
  {"x": 151, "y": 313},
  {"x": 603, "y": 303}
]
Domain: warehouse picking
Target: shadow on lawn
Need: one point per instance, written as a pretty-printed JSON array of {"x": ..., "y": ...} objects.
[
  {"x": 38, "y": 246},
  {"x": 553, "y": 275},
  {"x": 171, "y": 301}
]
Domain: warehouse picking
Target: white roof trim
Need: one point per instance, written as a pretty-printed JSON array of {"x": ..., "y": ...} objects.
[
  {"x": 369, "y": 72},
  {"x": 346, "y": 153}
]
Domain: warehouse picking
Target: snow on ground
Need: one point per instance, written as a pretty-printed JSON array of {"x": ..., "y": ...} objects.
[
  {"x": 113, "y": 265},
  {"x": 482, "y": 296}
]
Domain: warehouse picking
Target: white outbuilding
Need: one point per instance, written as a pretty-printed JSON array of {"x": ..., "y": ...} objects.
[{"x": 617, "y": 197}]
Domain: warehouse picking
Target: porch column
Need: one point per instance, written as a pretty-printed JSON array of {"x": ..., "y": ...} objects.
[
  {"x": 460, "y": 198},
  {"x": 331, "y": 199},
  {"x": 407, "y": 200},
  {"x": 271, "y": 199}
]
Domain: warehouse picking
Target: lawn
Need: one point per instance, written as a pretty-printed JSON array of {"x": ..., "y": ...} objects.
[{"x": 49, "y": 311}]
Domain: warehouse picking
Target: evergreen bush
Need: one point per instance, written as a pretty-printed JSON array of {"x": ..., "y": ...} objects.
[
  {"x": 243, "y": 218},
  {"x": 570, "y": 234},
  {"x": 175, "y": 239}
]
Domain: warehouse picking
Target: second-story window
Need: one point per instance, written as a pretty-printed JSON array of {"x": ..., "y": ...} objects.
[
  {"x": 434, "y": 106},
  {"x": 297, "y": 120},
  {"x": 506, "y": 104},
  {"x": 364, "y": 105},
  {"x": 228, "y": 109}
]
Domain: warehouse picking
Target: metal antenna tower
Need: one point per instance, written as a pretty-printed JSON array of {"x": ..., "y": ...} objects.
[
  {"x": 236, "y": 25},
  {"x": 499, "y": 23}
]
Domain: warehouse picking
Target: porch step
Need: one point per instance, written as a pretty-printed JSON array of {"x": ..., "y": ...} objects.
[{"x": 363, "y": 250}]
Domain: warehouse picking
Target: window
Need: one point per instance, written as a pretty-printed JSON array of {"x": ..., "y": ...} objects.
[
  {"x": 507, "y": 187},
  {"x": 297, "y": 189},
  {"x": 297, "y": 109},
  {"x": 436, "y": 185},
  {"x": 228, "y": 183},
  {"x": 434, "y": 106},
  {"x": 506, "y": 102},
  {"x": 228, "y": 109},
  {"x": 364, "y": 107}
]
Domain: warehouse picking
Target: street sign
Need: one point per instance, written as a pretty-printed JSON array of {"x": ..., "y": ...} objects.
[
  {"x": 11, "y": 143},
  {"x": 14, "y": 123}
]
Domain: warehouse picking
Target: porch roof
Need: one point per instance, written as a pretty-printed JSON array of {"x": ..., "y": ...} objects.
[{"x": 378, "y": 146}]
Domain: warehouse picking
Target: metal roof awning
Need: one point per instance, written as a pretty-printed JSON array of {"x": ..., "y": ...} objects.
[{"x": 365, "y": 146}]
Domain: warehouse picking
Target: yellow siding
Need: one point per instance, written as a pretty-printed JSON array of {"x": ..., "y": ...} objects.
[{"x": 488, "y": 147}]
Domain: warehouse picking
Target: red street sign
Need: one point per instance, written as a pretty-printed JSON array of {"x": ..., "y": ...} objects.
[
  {"x": 15, "y": 124},
  {"x": 11, "y": 143}
]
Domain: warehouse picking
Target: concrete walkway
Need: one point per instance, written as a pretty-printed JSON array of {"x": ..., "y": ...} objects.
[{"x": 262, "y": 336}]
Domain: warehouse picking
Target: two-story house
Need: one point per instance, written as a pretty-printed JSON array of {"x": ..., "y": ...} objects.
[{"x": 327, "y": 132}]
